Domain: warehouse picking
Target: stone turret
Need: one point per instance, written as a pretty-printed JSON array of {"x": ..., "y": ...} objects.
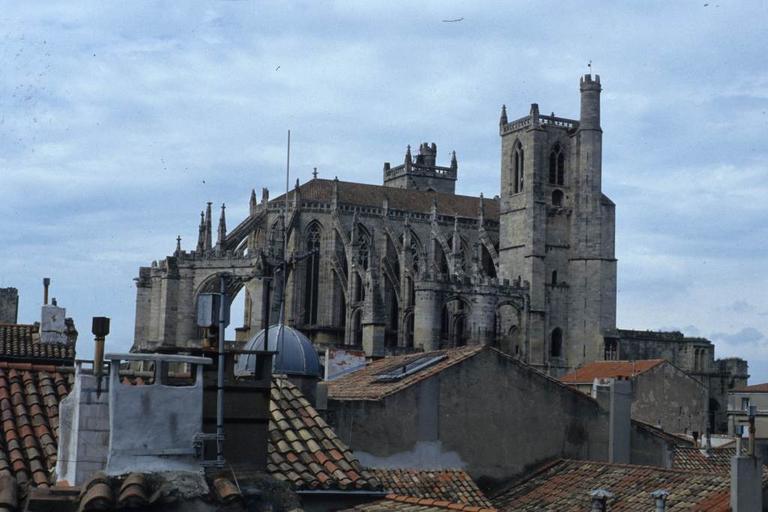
[{"x": 422, "y": 172}]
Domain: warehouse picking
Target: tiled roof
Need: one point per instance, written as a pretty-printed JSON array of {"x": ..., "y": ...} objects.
[
  {"x": 716, "y": 460},
  {"x": 361, "y": 194},
  {"x": 609, "y": 369},
  {"x": 564, "y": 486},
  {"x": 22, "y": 342},
  {"x": 454, "y": 485},
  {"x": 755, "y": 388},
  {"x": 305, "y": 451},
  {"x": 362, "y": 384},
  {"x": 397, "y": 503},
  {"x": 29, "y": 412}
]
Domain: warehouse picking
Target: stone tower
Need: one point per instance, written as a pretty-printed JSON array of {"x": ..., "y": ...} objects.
[{"x": 557, "y": 230}]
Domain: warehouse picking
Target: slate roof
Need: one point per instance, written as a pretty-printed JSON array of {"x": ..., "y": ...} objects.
[
  {"x": 22, "y": 342},
  {"x": 362, "y": 384},
  {"x": 609, "y": 369},
  {"x": 755, "y": 388},
  {"x": 564, "y": 486},
  {"x": 305, "y": 451},
  {"x": 29, "y": 412},
  {"x": 454, "y": 485},
  {"x": 362, "y": 194},
  {"x": 396, "y": 503}
]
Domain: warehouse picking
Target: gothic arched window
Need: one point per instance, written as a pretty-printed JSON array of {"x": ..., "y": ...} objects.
[
  {"x": 312, "y": 278},
  {"x": 557, "y": 166},
  {"x": 519, "y": 165},
  {"x": 556, "y": 343},
  {"x": 363, "y": 250}
]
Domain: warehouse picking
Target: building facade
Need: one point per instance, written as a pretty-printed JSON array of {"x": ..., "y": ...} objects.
[{"x": 410, "y": 264}]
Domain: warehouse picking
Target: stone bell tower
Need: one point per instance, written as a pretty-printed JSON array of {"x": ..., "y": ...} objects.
[{"x": 557, "y": 231}]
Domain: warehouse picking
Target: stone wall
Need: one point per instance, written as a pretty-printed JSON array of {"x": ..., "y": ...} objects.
[
  {"x": 490, "y": 414},
  {"x": 667, "y": 397}
]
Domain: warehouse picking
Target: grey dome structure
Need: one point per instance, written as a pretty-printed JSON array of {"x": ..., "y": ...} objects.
[{"x": 295, "y": 353}]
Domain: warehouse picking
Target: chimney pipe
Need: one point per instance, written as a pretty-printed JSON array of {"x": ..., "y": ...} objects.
[
  {"x": 660, "y": 499},
  {"x": 100, "y": 329},
  {"x": 600, "y": 500},
  {"x": 46, "y": 284}
]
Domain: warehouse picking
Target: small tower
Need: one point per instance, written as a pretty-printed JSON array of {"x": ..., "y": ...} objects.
[{"x": 422, "y": 172}]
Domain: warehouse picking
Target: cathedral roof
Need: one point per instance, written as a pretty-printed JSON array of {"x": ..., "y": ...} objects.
[{"x": 417, "y": 201}]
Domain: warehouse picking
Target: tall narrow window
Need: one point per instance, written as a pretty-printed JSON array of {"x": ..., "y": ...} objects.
[
  {"x": 556, "y": 343},
  {"x": 312, "y": 278},
  {"x": 518, "y": 160},
  {"x": 557, "y": 166},
  {"x": 554, "y": 278}
]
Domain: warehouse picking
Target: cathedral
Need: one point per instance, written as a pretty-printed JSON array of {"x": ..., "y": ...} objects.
[{"x": 410, "y": 265}]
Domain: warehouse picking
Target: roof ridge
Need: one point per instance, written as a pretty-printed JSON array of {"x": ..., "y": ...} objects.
[
  {"x": 644, "y": 467},
  {"x": 440, "y": 503}
]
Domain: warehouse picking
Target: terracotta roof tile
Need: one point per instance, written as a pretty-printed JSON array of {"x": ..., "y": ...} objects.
[
  {"x": 609, "y": 369},
  {"x": 306, "y": 457},
  {"x": 30, "y": 420},
  {"x": 564, "y": 486},
  {"x": 363, "y": 385},
  {"x": 398, "y": 503},
  {"x": 755, "y": 388},
  {"x": 453, "y": 485},
  {"x": 21, "y": 342}
]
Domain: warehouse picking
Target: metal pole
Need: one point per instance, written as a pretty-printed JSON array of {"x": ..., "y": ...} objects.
[
  {"x": 285, "y": 237},
  {"x": 220, "y": 384}
]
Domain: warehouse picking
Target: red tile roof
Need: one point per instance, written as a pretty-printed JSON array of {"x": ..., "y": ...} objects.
[
  {"x": 362, "y": 384},
  {"x": 454, "y": 485},
  {"x": 755, "y": 388},
  {"x": 361, "y": 194},
  {"x": 715, "y": 460},
  {"x": 609, "y": 369},
  {"x": 29, "y": 416},
  {"x": 305, "y": 451},
  {"x": 564, "y": 486},
  {"x": 397, "y": 503},
  {"x": 22, "y": 342}
]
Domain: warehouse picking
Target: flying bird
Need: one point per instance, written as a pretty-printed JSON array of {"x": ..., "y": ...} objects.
[{"x": 453, "y": 20}]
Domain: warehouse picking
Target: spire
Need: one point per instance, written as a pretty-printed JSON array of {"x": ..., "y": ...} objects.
[
  {"x": 252, "y": 203},
  {"x": 481, "y": 210},
  {"x": 201, "y": 234},
  {"x": 296, "y": 194},
  {"x": 408, "y": 158},
  {"x": 178, "y": 245},
  {"x": 503, "y": 118},
  {"x": 222, "y": 228},
  {"x": 535, "y": 115},
  {"x": 264, "y": 195},
  {"x": 335, "y": 195},
  {"x": 456, "y": 240},
  {"x": 314, "y": 173},
  {"x": 208, "y": 228},
  {"x": 454, "y": 162}
]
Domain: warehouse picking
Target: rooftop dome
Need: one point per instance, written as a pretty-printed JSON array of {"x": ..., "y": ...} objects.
[{"x": 295, "y": 353}]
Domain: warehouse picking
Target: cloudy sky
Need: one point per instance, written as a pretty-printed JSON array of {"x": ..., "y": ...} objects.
[{"x": 118, "y": 121}]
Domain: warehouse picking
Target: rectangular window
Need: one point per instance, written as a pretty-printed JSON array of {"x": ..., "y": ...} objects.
[{"x": 745, "y": 403}]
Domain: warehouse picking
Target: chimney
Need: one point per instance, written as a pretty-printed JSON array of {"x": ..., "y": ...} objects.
[
  {"x": 747, "y": 474},
  {"x": 53, "y": 325},
  {"x": 9, "y": 305},
  {"x": 660, "y": 499},
  {"x": 600, "y": 500},
  {"x": 620, "y": 421}
]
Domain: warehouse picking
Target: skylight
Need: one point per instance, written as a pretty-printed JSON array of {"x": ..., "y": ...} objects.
[{"x": 404, "y": 370}]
